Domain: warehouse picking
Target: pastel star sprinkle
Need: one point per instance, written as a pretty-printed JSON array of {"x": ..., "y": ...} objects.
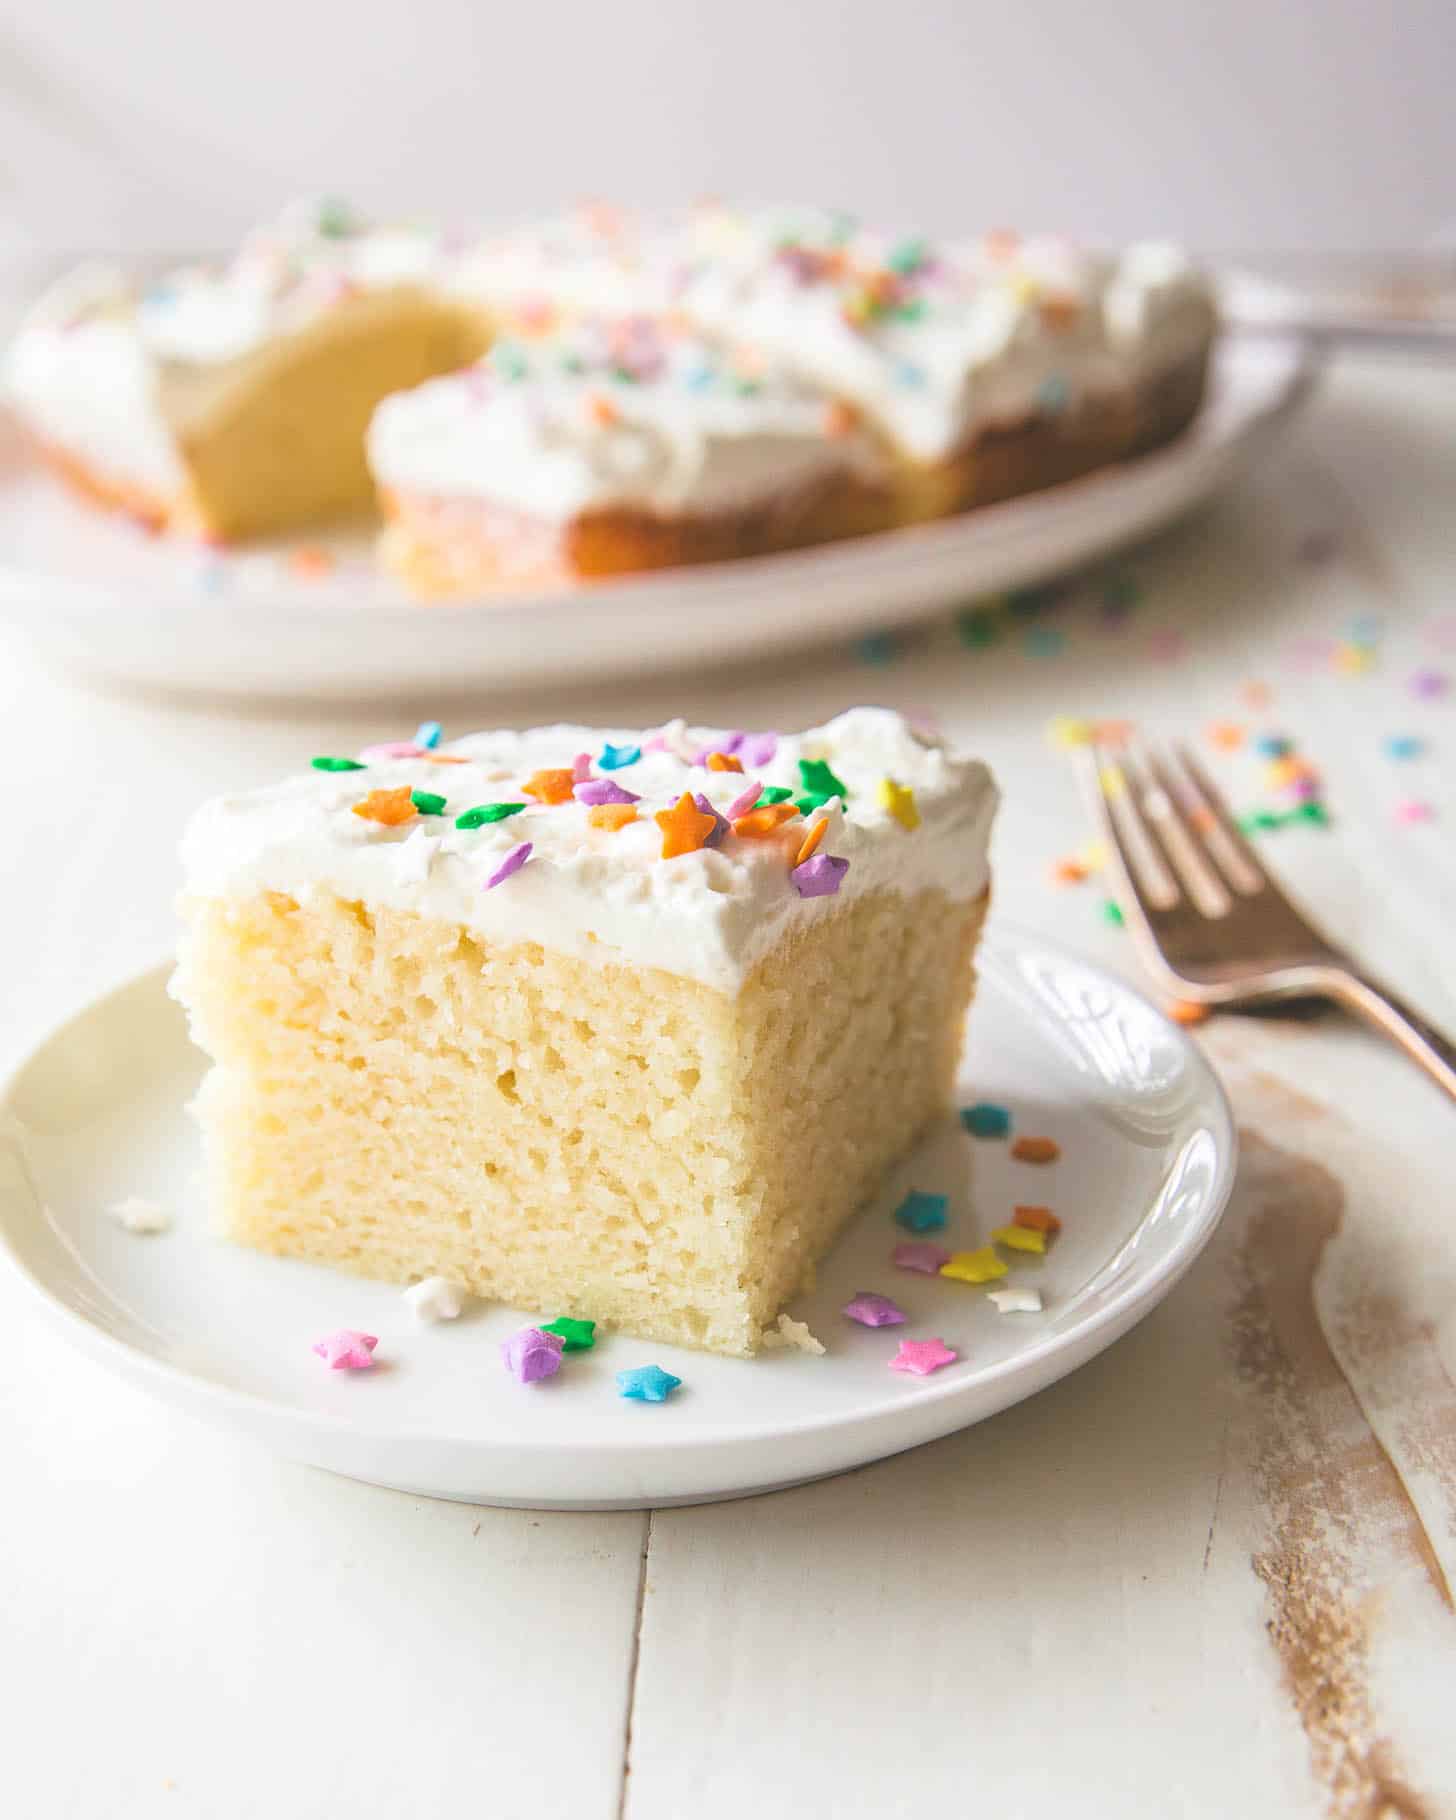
[
  {"x": 428, "y": 802},
  {"x": 1399, "y": 746},
  {"x": 1412, "y": 810},
  {"x": 757, "y": 750},
  {"x": 767, "y": 819},
  {"x": 617, "y": 758},
  {"x": 872, "y": 1310},
  {"x": 746, "y": 799},
  {"x": 347, "y": 1350},
  {"x": 512, "y": 863},
  {"x": 487, "y": 812},
  {"x": 921, "y": 1255},
  {"x": 581, "y": 767},
  {"x": 1037, "y": 1219},
  {"x": 791, "y": 1335},
  {"x": 986, "y": 1120},
  {"x": 921, "y": 1357},
  {"x": 810, "y": 843},
  {"x": 819, "y": 876},
  {"x": 1036, "y": 1150},
  {"x": 817, "y": 778},
  {"x": 600, "y": 790},
  {"x": 724, "y": 761},
  {"x": 1428, "y": 684},
  {"x": 773, "y": 793},
  {"x": 921, "y": 1211},
  {"x": 981, "y": 1266},
  {"x": 553, "y": 786},
  {"x": 685, "y": 828},
  {"x": 1016, "y": 1301},
  {"x": 1020, "y": 1238},
  {"x": 388, "y": 807},
  {"x": 336, "y": 764},
  {"x": 611, "y": 816},
  {"x": 137, "y": 1215},
  {"x": 435, "y": 1299},
  {"x": 393, "y": 748},
  {"x": 899, "y": 799},
  {"x": 532, "y": 1355},
  {"x": 714, "y": 837},
  {"x": 646, "y": 1384},
  {"x": 429, "y": 735},
  {"x": 575, "y": 1336}
]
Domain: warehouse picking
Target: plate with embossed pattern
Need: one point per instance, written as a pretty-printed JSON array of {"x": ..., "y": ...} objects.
[{"x": 97, "y": 1115}]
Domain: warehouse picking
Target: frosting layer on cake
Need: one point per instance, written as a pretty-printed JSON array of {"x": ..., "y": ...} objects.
[{"x": 913, "y": 816}]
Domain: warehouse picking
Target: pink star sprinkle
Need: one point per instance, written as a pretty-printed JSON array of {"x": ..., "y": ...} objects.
[
  {"x": 923, "y": 1356},
  {"x": 512, "y": 862},
  {"x": 922, "y": 1256},
  {"x": 581, "y": 767},
  {"x": 1412, "y": 810},
  {"x": 757, "y": 750},
  {"x": 872, "y": 1310},
  {"x": 394, "y": 748},
  {"x": 347, "y": 1350},
  {"x": 742, "y": 804}
]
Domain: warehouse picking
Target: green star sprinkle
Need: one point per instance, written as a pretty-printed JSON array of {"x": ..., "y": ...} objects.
[
  {"x": 427, "y": 802},
  {"x": 1262, "y": 821},
  {"x": 1314, "y": 812},
  {"x": 487, "y": 812},
  {"x": 819, "y": 780},
  {"x": 978, "y": 627},
  {"x": 1112, "y": 913},
  {"x": 907, "y": 257},
  {"x": 773, "y": 793},
  {"x": 810, "y": 801},
  {"x": 335, "y": 219},
  {"x": 576, "y": 1336},
  {"x": 336, "y": 764}
]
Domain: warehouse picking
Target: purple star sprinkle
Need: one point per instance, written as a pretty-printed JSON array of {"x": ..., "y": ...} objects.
[
  {"x": 1428, "y": 684},
  {"x": 720, "y": 827},
  {"x": 921, "y": 1255},
  {"x": 819, "y": 876},
  {"x": 742, "y": 804},
  {"x": 757, "y": 750},
  {"x": 512, "y": 862},
  {"x": 872, "y": 1310},
  {"x": 531, "y": 1355},
  {"x": 725, "y": 742},
  {"x": 602, "y": 790}
]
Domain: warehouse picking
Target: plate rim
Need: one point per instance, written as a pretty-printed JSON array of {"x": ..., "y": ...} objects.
[{"x": 1121, "y": 1312}]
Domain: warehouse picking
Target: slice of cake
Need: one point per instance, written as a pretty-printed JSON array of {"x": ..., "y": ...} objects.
[
  {"x": 621, "y": 1026},
  {"x": 232, "y": 401},
  {"x": 614, "y": 446}
]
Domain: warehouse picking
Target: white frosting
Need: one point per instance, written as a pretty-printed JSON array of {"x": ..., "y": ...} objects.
[
  {"x": 553, "y": 430},
  {"x": 709, "y": 915}
]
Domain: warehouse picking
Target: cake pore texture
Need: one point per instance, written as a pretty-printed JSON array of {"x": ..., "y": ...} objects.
[{"x": 400, "y": 1097}]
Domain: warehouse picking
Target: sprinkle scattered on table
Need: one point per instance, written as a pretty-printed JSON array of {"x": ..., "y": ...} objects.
[
  {"x": 921, "y": 1357},
  {"x": 435, "y": 1299},
  {"x": 646, "y": 1384},
  {"x": 1225, "y": 734},
  {"x": 921, "y": 1211},
  {"x": 1037, "y": 1219},
  {"x": 1426, "y": 685},
  {"x": 980, "y": 1266},
  {"x": 1036, "y": 1150},
  {"x": 1412, "y": 810},
  {"x": 920, "y": 1254},
  {"x": 1112, "y": 913},
  {"x": 872, "y": 1310},
  {"x": 532, "y": 1355},
  {"x": 309, "y": 563},
  {"x": 135, "y": 1214},
  {"x": 879, "y": 649},
  {"x": 1016, "y": 1300},
  {"x": 1403, "y": 746},
  {"x": 347, "y": 1350},
  {"x": 1020, "y": 1238},
  {"x": 575, "y": 1336},
  {"x": 1183, "y": 1011},
  {"x": 986, "y": 1119}
]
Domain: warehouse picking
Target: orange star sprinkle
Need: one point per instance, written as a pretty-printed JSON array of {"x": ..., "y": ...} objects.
[
  {"x": 1113, "y": 733},
  {"x": 444, "y": 758},
  {"x": 310, "y": 563},
  {"x": 1225, "y": 735},
  {"x": 549, "y": 786},
  {"x": 1037, "y": 1219},
  {"x": 1184, "y": 1011},
  {"x": 839, "y": 418},
  {"x": 601, "y": 410},
  {"x": 759, "y": 823},
  {"x": 612, "y": 816},
  {"x": 812, "y": 839},
  {"x": 1036, "y": 1150},
  {"x": 1069, "y": 872},
  {"x": 684, "y": 827},
  {"x": 724, "y": 761},
  {"x": 388, "y": 806}
]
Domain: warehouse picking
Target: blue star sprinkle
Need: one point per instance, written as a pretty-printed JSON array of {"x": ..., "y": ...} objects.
[
  {"x": 921, "y": 1212},
  {"x": 646, "y": 1384}
]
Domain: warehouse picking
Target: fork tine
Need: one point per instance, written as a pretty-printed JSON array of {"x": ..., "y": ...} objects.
[
  {"x": 1239, "y": 863},
  {"x": 1170, "y": 822},
  {"x": 1145, "y": 910}
]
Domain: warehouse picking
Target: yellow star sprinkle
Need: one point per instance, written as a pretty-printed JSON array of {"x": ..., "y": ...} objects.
[
  {"x": 899, "y": 799},
  {"x": 981, "y": 1266},
  {"x": 1065, "y": 731},
  {"x": 1020, "y": 1238}
]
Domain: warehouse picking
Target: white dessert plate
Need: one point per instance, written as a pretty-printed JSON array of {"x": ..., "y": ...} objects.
[
  {"x": 96, "y": 1115},
  {"x": 101, "y": 595}
]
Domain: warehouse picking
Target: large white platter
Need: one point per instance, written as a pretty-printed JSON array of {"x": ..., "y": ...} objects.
[
  {"x": 100, "y": 594},
  {"x": 97, "y": 1115}
]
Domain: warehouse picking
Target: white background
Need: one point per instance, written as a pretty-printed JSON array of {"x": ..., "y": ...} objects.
[{"x": 1245, "y": 124}]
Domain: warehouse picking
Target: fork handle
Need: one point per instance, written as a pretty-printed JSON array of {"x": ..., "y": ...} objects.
[{"x": 1379, "y": 1007}]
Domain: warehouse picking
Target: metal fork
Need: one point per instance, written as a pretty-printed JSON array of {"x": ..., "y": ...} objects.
[{"x": 1211, "y": 924}]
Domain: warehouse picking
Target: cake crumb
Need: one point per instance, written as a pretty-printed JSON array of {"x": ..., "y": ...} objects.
[
  {"x": 435, "y": 1299},
  {"x": 791, "y": 1335},
  {"x": 138, "y": 1215}
]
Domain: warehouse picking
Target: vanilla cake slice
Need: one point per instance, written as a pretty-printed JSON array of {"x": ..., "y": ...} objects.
[{"x": 616, "y": 1025}]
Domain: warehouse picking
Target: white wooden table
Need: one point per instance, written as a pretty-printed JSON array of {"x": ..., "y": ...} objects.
[{"x": 1211, "y": 1574}]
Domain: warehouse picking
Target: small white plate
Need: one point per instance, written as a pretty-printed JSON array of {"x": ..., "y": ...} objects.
[
  {"x": 101, "y": 595},
  {"x": 97, "y": 1115}
]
